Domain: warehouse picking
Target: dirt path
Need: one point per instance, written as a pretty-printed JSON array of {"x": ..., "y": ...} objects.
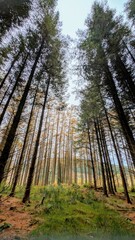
[{"x": 16, "y": 221}]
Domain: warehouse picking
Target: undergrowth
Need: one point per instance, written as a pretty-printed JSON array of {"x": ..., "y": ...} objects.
[{"x": 74, "y": 212}]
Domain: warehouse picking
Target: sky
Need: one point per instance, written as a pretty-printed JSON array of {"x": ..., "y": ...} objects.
[
  {"x": 72, "y": 15},
  {"x": 74, "y": 12}
]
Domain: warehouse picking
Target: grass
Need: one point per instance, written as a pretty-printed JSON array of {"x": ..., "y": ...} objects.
[{"x": 74, "y": 212}]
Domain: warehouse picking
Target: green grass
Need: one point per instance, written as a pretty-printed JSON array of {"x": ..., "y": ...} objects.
[{"x": 74, "y": 211}]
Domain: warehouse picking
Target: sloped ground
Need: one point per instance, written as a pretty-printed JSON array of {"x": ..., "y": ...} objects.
[
  {"x": 126, "y": 210},
  {"x": 79, "y": 213},
  {"x": 15, "y": 221}
]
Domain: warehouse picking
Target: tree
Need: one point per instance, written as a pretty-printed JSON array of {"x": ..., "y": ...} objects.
[
  {"x": 12, "y": 12},
  {"x": 100, "y": 47},
  {"x": 11, "y": 135},
  {"x": 130, "y": 9},
  {"x": 54, "y": 76}
]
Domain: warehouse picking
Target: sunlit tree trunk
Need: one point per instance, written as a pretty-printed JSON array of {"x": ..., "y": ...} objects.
[
  {"x": 101, "y": 159},
  {"x": 48, "y": 159},
  {"x": 24, "y": 146},
  {"x": 26, "y": 197},
  {"x": 92, "y": 160},
  {"x": 55, "y": 150},
  {"x": 29, "y": 151}
]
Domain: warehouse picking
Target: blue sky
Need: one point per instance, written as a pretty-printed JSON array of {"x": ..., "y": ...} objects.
[
  {"x": 72, "y": 15},
  {"x": 74, "y": 12}
]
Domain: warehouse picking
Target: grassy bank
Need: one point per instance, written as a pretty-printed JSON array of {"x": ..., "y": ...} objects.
[
  {"x": 79, "y": 212},
  {"x": 73, "y": 212}
]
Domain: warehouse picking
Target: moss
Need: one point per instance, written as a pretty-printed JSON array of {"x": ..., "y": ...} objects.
[{"x": 75, "y": 212}]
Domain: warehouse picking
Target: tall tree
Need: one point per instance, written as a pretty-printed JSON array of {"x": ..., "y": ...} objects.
[
  {"x": 130, "y": 9},
  {"x": 100, "y": 48},
  {"x": 12, "y": 12}
]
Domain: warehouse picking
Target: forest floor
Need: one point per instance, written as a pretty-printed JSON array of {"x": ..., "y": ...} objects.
[
  {"x": 67, "y": 213},
  {"x": 15, "y": 220}
]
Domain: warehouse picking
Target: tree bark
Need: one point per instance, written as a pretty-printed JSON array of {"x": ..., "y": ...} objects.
[
  {"x": 122, "y": 118},
  {"x": 26, "y": 197},
  {"x": 12, "y": 65},
  {"x": 92, "y": 161},
  {"x": 101, "y": 160},
  {"x": 12, "y": 132},
  {"x": 23, "y": 147},
  {"x": 14, "y": 88}
]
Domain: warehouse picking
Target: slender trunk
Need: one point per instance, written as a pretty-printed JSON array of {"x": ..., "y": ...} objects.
[
  {"x": 12, "y": 132},
  {"x": 119, "y": 162},
  {"x": 88, "y": 166},
  {"x": 26, "y": 197},
  {"x": 92, "y": 161},
  {"x": 5, "y": 134},
  {"x": 85, "y": 169},
  {"x": 12, "y": 65},
  {"x": 127, "y": 78},
  {"x": 59, "y": 178},
  {"x": 14, "y": 88},
  {"x": 108, "y": 157},
  {"x": 104, "y": 157},
  {"x": 9, "y": 164},
  {"x": 75, "y": 168},
  {"x": 2, "y": 99},
  {"x": 81, "y": 168},
  {"x": 55, "y": 151},
  {"x": 23, "y": 147},
  {"x": 101, "y": 160},
  {"x": 46, "y": 152},
  {"x": 71, "y": 156},
  {"x": 46, "y": 175},
  {"x": 122, "y": 118},
  {"x": 131, "y": 55},
  {"x": 63, "y": 157},
  {"x": 108, "y": 162},
  {"x": 43, "y": 150},
  {"x": 29, "y": 152}
]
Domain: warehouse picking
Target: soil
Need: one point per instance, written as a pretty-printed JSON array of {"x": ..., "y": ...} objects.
[{"x": 18, "y": 221}]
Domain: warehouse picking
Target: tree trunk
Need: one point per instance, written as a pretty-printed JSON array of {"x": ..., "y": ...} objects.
[
  {"x": 26, "y": 197},
  {"x": 48, "y": 160},
  {"x": 126, "y": 77},
  {"x": 23, "y": 147},
  {"x": 27, "y": 157},
  {"x": 119, "y": 162},
  {"x": 101, "y": 160},
  {"x": 13, "y": 90},
  {"x": 55, "y": 151},
  {"x": 12, "y": 132},
  {"x": 92, "y": 161},
  {"x": 12, "y": 64},
  {"x": 122, "y": 118}
]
